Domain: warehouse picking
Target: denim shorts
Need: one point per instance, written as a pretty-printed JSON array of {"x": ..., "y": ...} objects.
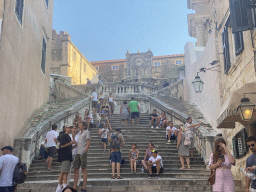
[
  {"x": 116, "y": 157},
  {"x": 104, "y": 140},
  {"x": 7, "y": 189}
]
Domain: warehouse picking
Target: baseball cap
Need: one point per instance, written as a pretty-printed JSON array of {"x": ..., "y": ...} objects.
[
  {"x": 155, "y": 151},
  {"x": 7, "y": 147}
]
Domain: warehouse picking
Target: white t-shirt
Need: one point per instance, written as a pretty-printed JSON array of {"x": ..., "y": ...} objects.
[
  {"x": 90, "y": 115},
  {"x": 169, "y": 128},
  {"x": 50, "y": 138},
  {"x": 95, "y": 96},
  {"x": 152, "y": 159},
  {"x": 7, "y": 165},
  {"x": 189, "y": 130},
  {"x": 104, "y": 133},
  {"x": 76, "y": 139}
]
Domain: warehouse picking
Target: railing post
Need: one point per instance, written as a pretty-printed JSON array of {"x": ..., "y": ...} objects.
[{"x": 209, "y": 140}]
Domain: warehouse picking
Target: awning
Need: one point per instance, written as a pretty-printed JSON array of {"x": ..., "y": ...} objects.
[{"x": 229, "y": 114}]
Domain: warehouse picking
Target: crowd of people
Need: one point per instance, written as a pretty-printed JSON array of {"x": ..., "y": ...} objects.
[{"x": 73, "y": 142}]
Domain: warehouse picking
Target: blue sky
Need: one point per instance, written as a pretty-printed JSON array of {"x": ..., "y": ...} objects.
[{"x": 106, "y": 29}]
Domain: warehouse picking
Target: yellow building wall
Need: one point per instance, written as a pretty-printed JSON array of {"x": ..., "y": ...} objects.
[{"x": 79, "y": 67}]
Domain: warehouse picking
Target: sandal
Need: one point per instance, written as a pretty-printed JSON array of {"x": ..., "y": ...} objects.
[
  {"x": 182, "y": 168},
  {"x": 119, "y": 177},
  {"x": 113, "y": 177}
]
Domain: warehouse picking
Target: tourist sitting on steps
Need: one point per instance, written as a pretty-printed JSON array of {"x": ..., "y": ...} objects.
[
  {"x": 104, "y": 134},
  {"x": 77, "y": 119},
  {"x": 171, "y": 132},
  {"x": 155, "y": 165},
  {"x": 148, "y": 154},
  {"x": 154, "y": 119},
  {"x": 116, "y": 141},
  {"x": 88, "y": 118},
  {"x": 133, "y": 157},
  {"x": 163, "y": 120}
]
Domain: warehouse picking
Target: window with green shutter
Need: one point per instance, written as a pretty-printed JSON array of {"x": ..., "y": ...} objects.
[
  {"x": 225, "y": 46},
  {"x": 239, "y": 43},
  {"x": 43, "y": 56},
  {"x": 19, "y": 10},
  {"x": 241, "y": 16}
]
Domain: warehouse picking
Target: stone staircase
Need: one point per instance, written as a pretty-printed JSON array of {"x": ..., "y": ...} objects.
[{"x": 99, "y": 170}]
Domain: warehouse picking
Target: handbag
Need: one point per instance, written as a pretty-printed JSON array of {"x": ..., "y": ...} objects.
[
  {"x": 187, "y": 140},
  {"x": 211, "y": 179}
]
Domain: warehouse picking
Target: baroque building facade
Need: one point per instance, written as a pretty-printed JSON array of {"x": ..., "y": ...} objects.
[
  {"x": 25, "y": 41},
  {"x": 141, "y": 67},
  {"x": 67, "y": 60},
  {"x": 225, "y": 50}
]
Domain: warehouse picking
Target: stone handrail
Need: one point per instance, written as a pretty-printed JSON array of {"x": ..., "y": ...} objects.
[
  {"x": 62, "y": 91},
  {"x": 174, "y": 90},
  {"x": 26, "y": 147},
  {"x": 204, "y": 136}
]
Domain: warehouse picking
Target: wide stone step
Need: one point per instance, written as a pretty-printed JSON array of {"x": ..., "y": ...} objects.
[
  {"x": 107, "y": 165},
  {"x": 126, "y": 185},
  {"x": 124, "y": 175}
]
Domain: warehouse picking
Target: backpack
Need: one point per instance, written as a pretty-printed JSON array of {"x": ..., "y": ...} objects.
[
  {"x": 20, "y": 173},
  {"x": 187, "y": 140},
  {"x": 114, "y": 141}
]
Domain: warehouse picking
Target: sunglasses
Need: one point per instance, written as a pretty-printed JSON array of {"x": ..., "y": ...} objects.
[{"x": 252, "y": 145}]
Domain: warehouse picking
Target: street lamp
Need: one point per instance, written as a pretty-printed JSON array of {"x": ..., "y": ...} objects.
[
  {"x": 198, "y": 84},
  {"x": 245, "y": 109}
]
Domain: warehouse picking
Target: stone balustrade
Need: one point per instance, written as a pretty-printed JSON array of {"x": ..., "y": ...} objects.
[
  {"x": 204, "y": 136},
  {"x": 119, "y": 88},
  {"x": 174, "y": 90},
  {"x": 27, "y": 146}
]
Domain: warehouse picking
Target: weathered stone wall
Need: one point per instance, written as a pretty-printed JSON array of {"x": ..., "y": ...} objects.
[
  {"x": 24, "y": 87},
  {"x": 69, "y": 61},
  {"x": 167, "y": 70}
]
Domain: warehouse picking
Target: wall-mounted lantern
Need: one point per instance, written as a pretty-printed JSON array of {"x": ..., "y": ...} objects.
[{"x": 245, "y": 109}]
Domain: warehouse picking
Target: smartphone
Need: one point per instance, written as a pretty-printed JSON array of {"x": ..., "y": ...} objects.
[{"x": 222, "y": 157}]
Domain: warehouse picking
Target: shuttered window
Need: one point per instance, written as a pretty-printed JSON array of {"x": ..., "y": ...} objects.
[
  {"x": 239, "y": 43},
  {"x": 225, "y": 46},
  {"x": 19, "y": 10},
  {"x": 43, "y": 56},
  {"x": 241, "y": 16},
  {"x": 47, "y": 3}
]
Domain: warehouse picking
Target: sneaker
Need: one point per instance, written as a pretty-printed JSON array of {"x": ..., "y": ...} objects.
[
  {"x": 152, "y": 127},
  {"x": 169, "y": 141},
  {"x": 157, "y": 127},
  {"x": 59, "y": 189},
  {"x": 151, "y": 177},
  {"x": 157, "y": 177},
  {"x": 82, "y": 190}
]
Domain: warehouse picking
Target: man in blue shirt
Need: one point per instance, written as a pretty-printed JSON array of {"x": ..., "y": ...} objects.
[{"x": 251, "y": 164}]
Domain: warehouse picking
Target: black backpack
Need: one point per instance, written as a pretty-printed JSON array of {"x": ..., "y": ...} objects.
[
  {"x": 114, "y": 141},
  {"x": 20, "y": 173}
]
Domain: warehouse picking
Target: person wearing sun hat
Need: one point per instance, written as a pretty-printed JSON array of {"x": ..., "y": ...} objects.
[
  {"x": 7, "y": 165},
  {"x": 155, "y": 164}
]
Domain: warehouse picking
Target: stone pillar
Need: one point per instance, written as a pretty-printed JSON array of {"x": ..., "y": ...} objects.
[
  {"x": 209, "y": 140},
  {"x": 200, "y": 33}
]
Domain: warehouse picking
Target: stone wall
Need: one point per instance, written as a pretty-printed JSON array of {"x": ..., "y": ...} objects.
[
  {"x": 69, "y": 61},
  {"x": 24, "y": 87}
]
